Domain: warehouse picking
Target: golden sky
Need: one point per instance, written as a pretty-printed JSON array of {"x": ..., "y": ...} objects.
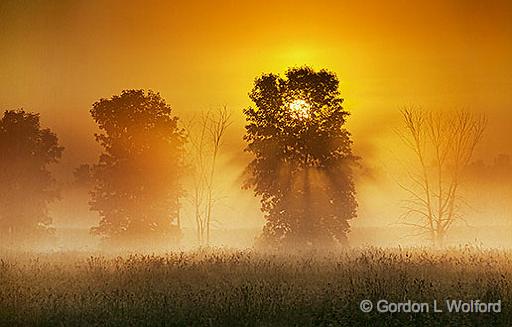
[{"x": 58, "y": 57}]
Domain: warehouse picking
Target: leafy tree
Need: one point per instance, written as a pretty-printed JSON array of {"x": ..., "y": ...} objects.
[
  {"x": 302, "y": 168},
  {"x": 137, "y": 184},
  {"x": 26, "y": 184}
]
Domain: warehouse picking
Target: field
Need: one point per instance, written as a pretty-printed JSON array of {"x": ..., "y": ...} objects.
[{"x": 222, "y": 287}]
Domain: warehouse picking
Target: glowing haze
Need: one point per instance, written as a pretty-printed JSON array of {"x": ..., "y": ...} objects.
[{"x": 58, "y": 57}]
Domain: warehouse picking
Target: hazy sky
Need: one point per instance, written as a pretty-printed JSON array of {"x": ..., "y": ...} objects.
[{"x": 58, "y": 57}]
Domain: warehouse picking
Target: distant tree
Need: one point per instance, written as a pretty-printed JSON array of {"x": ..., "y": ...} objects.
[
  {"x": 443, "y": 145},
  {"x": 205, "y": 137},
  {"x": 137, "y": 181},
  {"x": 26, "y": 184},
  {"x": 83, "y": 175},
  {"x": 303, "y": 159}
]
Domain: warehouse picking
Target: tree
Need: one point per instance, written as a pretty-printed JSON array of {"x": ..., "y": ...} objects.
[
  {"x": 83, "y": 176},
  {"x": 442, "y": 144},
  {"x": 302, "y": 169},
  {"x": 27, "y": 186},
  {"x": 205, "y": 143},
  {"x": 137, "y": 181}
]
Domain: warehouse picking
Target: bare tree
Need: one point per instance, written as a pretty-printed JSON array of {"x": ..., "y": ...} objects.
[
  {"x": 205, "y": 139},
  {"x": 442, "y": 144}
]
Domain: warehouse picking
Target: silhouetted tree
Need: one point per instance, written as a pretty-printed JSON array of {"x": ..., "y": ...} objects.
[
  {"x": 303, "y": 159},
  {"x": 26, "y": 184},
  {"x": 442, "y": 144},
  {"x": 137, "y": 181}
]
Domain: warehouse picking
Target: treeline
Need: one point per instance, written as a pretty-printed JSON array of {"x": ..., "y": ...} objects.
[
  {"x": 301, "y": 169},
  {"x": 136, "y": 184}
]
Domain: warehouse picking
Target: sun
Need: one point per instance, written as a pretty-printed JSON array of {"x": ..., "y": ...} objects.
[{"x": 300, "y": 108}]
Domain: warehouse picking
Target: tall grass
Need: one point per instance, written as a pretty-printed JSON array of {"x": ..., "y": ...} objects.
[{"x": 246, "y": 288}]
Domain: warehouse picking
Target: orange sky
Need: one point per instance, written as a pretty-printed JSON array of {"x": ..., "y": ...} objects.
[{"x": 58, "y": 57}]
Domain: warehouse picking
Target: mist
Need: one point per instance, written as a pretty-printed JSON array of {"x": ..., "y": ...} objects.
[
  {"x": 381, "y": 65},
  {"x": 238, "y": 220},
  {"x": 255, "y": 163}
]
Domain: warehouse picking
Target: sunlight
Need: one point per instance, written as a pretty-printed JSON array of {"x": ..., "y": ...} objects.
[{"x": 300, "y": 108}]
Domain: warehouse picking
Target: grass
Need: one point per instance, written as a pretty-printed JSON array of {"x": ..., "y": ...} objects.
[{"x": 247, "y": 288}]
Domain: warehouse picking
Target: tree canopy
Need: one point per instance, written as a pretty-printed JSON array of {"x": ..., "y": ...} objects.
[
  {"x": 302, "y": 166},
  {"x": 137, "y": 181},
  {"x": 26, "y": 183}
]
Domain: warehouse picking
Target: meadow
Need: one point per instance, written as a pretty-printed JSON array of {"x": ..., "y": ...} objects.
[{"x": 222, "y": 287}]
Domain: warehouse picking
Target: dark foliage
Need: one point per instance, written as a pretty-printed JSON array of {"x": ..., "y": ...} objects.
[{"x": 302, "y": 168}]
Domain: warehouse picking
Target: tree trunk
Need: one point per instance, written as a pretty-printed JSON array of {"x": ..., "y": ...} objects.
[{"x": 439, "y": 240}]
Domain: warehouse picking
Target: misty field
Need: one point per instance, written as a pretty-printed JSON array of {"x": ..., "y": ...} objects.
[{"x": 248, "y": 288}]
